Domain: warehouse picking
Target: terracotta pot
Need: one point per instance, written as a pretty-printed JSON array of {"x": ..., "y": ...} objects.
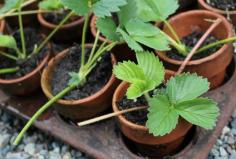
[
  {"x": 2, "y": 26},
  {"x": 212, "y": 67},
  {"x": 28, "y": 83},
  {"x": 121, "y": 51},
  {"x": 204, "y": 5},
  {"x": 68, "y": 32},
  {"x": 28, "y": 20},
  {"x": 83, "y": 108},
  {"x": 154, "y": 147}
]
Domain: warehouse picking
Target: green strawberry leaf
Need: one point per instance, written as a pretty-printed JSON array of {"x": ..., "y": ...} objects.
[
  {"x": 202, "y": 112},
  {"x": 162, "y": 117},
  {"x": 129, "y": 40},
  {"x": 186, "y": 87},
  {"x": 8, "y": 42},
  {"x": 50, "y": 4},
  {"x": 9, "y": 5},
  {"x": 80, "y": 7},
  {"x": 108, "y": 28},
  {"x": 105, "y": 8}
]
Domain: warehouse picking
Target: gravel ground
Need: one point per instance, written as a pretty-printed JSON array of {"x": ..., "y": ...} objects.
[{"x": 35, "y": 144}]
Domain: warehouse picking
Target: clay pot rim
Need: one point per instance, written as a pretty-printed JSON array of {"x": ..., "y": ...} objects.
[
  {"x": 209, "y": 7},
  {"x": 94, "y": 30},
  {"x": 50, "y": 25},
  {"x": 121, "y": 117},
  {"x": 205, "y": 59},
  {"x": 33, "y": 72},
  {"x": 2, "y": 25},
  {"x": 80, "y": 101}
]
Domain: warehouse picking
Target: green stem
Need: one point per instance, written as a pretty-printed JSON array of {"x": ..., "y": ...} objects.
[
  {"x": 53, "y": 32},
  {"x": 40, "y": 111},
  {"x": 224, "y": 41},
  {"x": 173, "y": 32},
  {"x": 22, "y": 35},
  {"x": 9, "y": 70},
  {"x": 83, "y": 41},
  {"x": 8, "y": 55},
  {"x": 28, "y": 12},
  {"x": 147, "y": 97},
  {"x": 94, "y": 46}
]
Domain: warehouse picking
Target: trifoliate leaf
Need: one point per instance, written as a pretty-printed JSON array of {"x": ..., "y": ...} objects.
[
  {"x": 8, "y": 5},
  {"x": 80, "y": 7},
  {"x": 108, "y": 28},
  {"x": 160, "y": 9},
  {"x": 129, "y": 40},
  {"x": 127, "y": 12},
  {"x": 50, "y": 4},
  {"x": 147, "y": 34},
  {"x": 202, "y": 112},
  {"x": 7, "y": 41},
  {"x": 144, "y": 12},
  {"x": 163, "y": 8},
  {"x": 104, "y": 8},
  {"x": 74, "y": 79},
  {"x": 162, "y": 117},
  {"x": 129, "y": 71},
  {"x": 151, "y": 66},
  {"x": 144, "y": 77},
  {"x": 186, "y": 87},
  {"x": 136, "y": 27}
]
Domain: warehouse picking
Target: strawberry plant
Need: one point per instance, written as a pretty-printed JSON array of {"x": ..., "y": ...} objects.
[{"x": 180, "y": 97}]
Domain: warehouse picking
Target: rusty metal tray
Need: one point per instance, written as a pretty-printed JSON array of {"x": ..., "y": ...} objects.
[{"x": 104, "y": 140}]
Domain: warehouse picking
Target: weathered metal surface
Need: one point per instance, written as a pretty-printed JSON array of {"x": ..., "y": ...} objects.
[{"x": 104, "y": 141}]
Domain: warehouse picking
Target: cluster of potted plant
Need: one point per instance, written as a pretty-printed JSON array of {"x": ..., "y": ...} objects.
[{"x": 156, "y": 104}]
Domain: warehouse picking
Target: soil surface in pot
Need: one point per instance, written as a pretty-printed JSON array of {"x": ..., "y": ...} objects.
[
  {"x": 223, "y": 4},
  {"x": 138, "y": 117},
  {"x": 56, "y": 18},
  {"x": 190, "y": 41},
  {"x": 32, "y": 37},
  {"x": 96, "y": 80}
]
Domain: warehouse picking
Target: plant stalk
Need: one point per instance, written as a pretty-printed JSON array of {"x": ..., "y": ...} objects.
[
  {"x": 22, "y": 35},
  {"x": 147, "y": 97},
  {"x": 40, "y": 111},
  {"x": 9, "y": 70},
  {"x": 28, "y": 12},
  {"x": 107, "y": 116},
  {"x": 8, "y": 55},
  {"x": 13, "y": 10},
  {"x": 53, "y": 32},
  {"x": 94, "y": 46},
  {"x": 173, "y": 32},
  {"x": 83, "y": 41},
  {"x": 224, "y": 41}
]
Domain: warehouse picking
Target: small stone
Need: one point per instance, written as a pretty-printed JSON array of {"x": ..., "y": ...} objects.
[
  {"x": 226, "y": 130},
  {"x": 233, "y": 155},
  {"x": 231, "y": 140},
  {"x": 54, "y": 155},
  {"x": 30, "y": 148},
  {"x": 17, "y": 155},
  {"x": 223, "y": 152},
  {"x": 215, "y": 152},
  {"x": 4, "y": 140},
  {"x": 233, "y": 123},
  {"x": 67, "y": 156}
]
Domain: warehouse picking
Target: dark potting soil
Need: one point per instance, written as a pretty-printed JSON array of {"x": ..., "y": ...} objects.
[
  {"x": 138, "y": 117},
  {"x": 56, "y": 18},
  {"x": 223, "y": 4},
  {"x": 32, "y": 38},
  {"x": 190, "y": 41},
  {"x": 96, "y": 80}
]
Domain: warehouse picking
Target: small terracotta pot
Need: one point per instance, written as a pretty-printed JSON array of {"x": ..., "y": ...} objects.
[
  {"x": 28, "y": 83},
  {"x": 2, "y": 26},
  {"x": 68, "y": 32},
  {"x": 212, "y": 67},
  {"x": 83, "y": 108},
  {"x": 121, "y": 51},
  {"x": 154, "y": 147},
  {"x": 28, "y": 20},
  {"x": 204, "y": 5}
]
